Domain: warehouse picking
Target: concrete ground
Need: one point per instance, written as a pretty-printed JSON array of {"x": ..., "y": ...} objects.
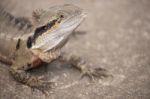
[{"x": 115, "y": 36}]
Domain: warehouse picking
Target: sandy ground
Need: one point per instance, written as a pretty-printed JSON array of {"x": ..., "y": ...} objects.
[{"x": 115, "y": 36}]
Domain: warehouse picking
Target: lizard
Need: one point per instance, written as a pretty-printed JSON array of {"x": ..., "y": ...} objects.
[{"x": 26, "y": 44}]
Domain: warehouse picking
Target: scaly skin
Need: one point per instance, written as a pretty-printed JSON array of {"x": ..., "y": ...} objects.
[{"x": 40, "y": 40}]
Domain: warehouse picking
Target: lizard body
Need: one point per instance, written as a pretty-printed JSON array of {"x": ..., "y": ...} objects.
[{"x": 29, "y": 43}]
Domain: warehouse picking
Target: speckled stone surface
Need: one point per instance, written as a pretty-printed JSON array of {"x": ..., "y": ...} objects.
[{"x": 115, "y": 36}]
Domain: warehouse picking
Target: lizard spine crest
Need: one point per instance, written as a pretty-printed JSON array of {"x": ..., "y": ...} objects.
[{"x": 20, "y": 22}]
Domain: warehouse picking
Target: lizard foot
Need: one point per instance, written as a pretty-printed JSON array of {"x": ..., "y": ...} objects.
[
  {"x": 32, "y": 81},
  {"x": 86, "y": 69},
  {"x": 41, "y": 85},
  {"x": 94, "y": 73}
]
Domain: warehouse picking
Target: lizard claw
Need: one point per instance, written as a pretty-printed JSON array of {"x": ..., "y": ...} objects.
[
  {"x": 41, "y": 85},
  {"x": 45, "y": 92},
  {"x": 94, "y": 74},
  {"x": 32, "y": 81}
]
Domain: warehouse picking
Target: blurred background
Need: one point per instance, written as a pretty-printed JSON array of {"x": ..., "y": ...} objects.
[{"x": 115, "y": 36}]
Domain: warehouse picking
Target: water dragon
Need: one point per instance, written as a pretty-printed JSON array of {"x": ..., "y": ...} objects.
[{"x": 29, "y": 43}]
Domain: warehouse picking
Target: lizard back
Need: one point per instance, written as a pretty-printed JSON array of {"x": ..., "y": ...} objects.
[{"x": 11, "y": 29}]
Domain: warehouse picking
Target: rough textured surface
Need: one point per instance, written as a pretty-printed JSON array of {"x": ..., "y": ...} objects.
[{"x": 115, "y": 35}]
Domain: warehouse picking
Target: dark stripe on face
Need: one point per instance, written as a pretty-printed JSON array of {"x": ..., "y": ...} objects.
[{"x": 40, "y": 30}]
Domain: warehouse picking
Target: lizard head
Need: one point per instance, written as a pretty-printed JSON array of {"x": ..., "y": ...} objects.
[{"x": 54, "y": 26}]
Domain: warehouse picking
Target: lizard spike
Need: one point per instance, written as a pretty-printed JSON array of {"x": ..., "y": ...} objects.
[
  {"x": 20, "y": 22},
  {"x": 21, "y": 26},
  {"x": 23, "y": 22},
  {"x": 2, "y": 10},
  {"x": 6, "y": 14},
  {"x": 37, "y": 14}
]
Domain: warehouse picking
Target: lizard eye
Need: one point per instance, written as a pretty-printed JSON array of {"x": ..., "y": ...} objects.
[{"x": 61, "y": 16}]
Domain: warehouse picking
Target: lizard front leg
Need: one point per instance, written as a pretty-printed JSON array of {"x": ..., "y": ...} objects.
[
  {"x": 5, "y": 60},
  {"x": 85, "y": 69},
  {"x": 19, "y": 72}
]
